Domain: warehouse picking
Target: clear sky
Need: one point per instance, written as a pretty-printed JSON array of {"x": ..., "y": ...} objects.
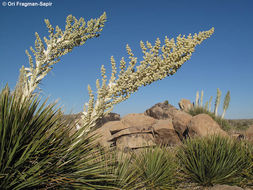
[{"x": 223, "y": 61}]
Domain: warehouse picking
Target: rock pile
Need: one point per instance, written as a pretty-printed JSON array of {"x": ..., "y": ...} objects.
[{"x": 161, "y": 124}]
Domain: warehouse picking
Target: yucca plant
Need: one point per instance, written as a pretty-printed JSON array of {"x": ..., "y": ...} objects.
[
  {"x": 214, "y": 160},
  {"x": 126, "y": 175},
  {"x": 157, "y": 168},
  {"x": 36, "y": 152}
]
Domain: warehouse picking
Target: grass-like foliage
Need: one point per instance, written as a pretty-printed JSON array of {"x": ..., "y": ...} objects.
[
  {"x": 146, "y": 169},
  {"x": 198, "y": 110},
  {"x": 36, "y": 153},
  {"x": 248, "y": 172},
  {"x": 214, "y": 160},
  {"x": 225, "y": 125},
  {"x": 126, "y": 175},
  {"x": 157, "y": 168}
]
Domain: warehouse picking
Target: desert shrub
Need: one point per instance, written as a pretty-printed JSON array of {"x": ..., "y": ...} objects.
[
  {"x": 124, "y": 171},
  {"x": 225, "y": 125},
  {"x": 214, "y": 160},
  {"x": 248, "y": 173},
  {"x": 198, "y": 110},
  {"x": 240, "y": 124},
  {"x": 35, "y": 152},
  {"x": 157, "y": 168},
  {"x": 151, "y": 168}
]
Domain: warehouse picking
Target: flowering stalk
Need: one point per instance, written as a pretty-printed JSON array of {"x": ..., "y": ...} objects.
[
  {"x": 210, "y": 104},
  {"x": 158, "y": 62},
  {"x": 217, "y": 102},
  {"x": 201, "y": 98},
  {"x": 59, "y": 43},
  {"x": 226, "y": 104},
  {"x": 197, "y": 99}
]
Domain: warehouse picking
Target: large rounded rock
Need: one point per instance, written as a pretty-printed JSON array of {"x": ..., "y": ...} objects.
[
  {"x": 130, "y": 131},
  {"x": 180, "y": 122},
  {"x": 166, "y": 137},
  {"x": 203, "y": 125},
  {"x": 185, "y": 105},
  {"x": 138, "y": 120},
  {"x": 107, "y": 130},
  {"x": 165, "y": 133},
  {"x": 161, "y": 111},
  {"x": 128, "y": 140},
  {"x": 163, "y": 124},
  {"x": 114, "y": 126}
]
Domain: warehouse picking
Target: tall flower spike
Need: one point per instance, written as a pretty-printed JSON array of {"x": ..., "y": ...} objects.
[
  {"x": 158, "y": 62},
  {"x": 217, "y": 102},
  {"x": 197, "y": 99},
  {"x": 59, "y": 43},
  {"x": 201, "y": 98},
  {"x": 226, "y": 104},
  {"x": 210, "y": 104}
]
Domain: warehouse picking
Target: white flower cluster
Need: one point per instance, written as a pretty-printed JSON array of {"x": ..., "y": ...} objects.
[{"x": 59, "y": 43}]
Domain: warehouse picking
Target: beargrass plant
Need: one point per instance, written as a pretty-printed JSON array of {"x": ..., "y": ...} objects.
[
  {"x": 126, "y": 175},
  {"x": 150, "y": 168},
  {"x": 157, "y": 168},
  {"x": 214, "y": 160},
  {"x": 36, "y": 152}
]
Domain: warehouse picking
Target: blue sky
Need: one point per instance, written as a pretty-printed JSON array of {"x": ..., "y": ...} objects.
[{"x": 223, "y": 61}]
